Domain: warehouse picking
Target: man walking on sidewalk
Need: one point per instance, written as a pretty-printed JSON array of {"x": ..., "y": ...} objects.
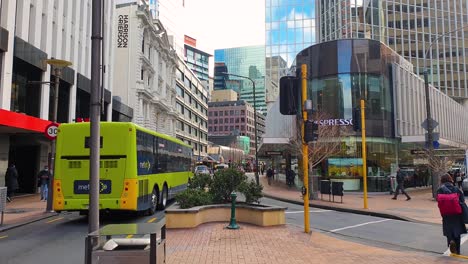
[{"x": 400, "y": 185}]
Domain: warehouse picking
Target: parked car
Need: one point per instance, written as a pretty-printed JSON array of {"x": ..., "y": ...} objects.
[
  {"x": 221, "y": 166},
  {"x": 202, "y": 169}
]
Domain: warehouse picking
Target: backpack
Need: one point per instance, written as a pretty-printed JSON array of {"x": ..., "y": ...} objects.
[{"x": 449, "y": 203}]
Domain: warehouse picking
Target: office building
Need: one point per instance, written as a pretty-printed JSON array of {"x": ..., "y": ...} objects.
[
  {"x": 289, "y": 28},
  {"x": 197, "y": 60},
  {"x": 32, "y": 31},
  {"x": 224, "y": 95},
  {"x": 246, "y": 61},
  {"x": 411, "y": 28},
  {"x": 235, "y": 118},
  {"x": 144, "y": 69},
  {"x": 192, "y": 107}
]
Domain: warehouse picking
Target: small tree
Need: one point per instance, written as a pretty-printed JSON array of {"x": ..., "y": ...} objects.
[
  {"x": 224, "y": 182},
  {"x": 329, "y": 142}
]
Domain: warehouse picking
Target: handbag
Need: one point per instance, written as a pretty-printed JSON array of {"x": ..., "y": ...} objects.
[{"x": 464, "y": 212}]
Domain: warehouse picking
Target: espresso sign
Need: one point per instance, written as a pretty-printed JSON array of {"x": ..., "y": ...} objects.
[
  {"x": 334, "y": 122},
  {"x": 122, "y": 31}
]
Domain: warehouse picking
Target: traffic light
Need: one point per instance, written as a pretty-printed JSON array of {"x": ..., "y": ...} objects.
[
  {"x": 310, "y": 131},
  {"x": 289, "y": 95},
  {"x": 357, "y": 119}
]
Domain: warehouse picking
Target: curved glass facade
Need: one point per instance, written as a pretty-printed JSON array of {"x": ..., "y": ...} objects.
[{"x": 340, "y": 74}]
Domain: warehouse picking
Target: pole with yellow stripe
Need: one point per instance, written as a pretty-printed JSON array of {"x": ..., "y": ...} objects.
[{"x": 305, "y": 149}]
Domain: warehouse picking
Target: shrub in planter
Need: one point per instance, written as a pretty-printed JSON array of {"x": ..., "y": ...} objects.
[
  {"x": 200, "y": 181},
  {"x": 224, "y": 182},
  {"x": 251, "y": 191},
  {"x": 193, "y": 197}
]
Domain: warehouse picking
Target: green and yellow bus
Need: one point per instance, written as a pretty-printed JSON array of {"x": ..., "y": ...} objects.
[{"x": 139, "y": 169}]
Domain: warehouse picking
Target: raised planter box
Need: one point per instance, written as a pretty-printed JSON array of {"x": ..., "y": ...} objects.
[{"x": 261, "y": 215}]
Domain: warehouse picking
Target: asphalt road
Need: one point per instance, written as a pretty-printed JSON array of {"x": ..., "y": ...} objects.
[
  {"x": 370, "y": 230},
  {"x": 60, "y": 239}
]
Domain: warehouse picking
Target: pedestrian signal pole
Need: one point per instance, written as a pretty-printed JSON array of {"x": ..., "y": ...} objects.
[
  {"x": 305, "y": 149},
  {"x": 364, "y": 153}
]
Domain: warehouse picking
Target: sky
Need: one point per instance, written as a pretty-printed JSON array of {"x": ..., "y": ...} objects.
[{"x": 219, "y": 24}]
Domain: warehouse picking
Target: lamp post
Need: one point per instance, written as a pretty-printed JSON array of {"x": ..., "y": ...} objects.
[
  {"x": 257, "y": 180},
  {"x": 430, "y": 128},
  {"x": 57, "y": 65}
]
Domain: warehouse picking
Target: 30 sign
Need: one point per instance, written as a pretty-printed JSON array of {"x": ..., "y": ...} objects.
[{"x": 51, "y": 131}]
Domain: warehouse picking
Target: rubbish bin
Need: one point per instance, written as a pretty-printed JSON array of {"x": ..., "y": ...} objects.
[
  {"x": 3, "y": 196},
  {"x": 111, "y": 244},
  {"x": 325, "y": 188}
]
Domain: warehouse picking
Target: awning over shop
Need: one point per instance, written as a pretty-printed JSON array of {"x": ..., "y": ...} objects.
[{"x": 12, "y": 122}]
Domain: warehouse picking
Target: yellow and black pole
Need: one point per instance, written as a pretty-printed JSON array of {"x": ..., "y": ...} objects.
[
  {"x": 364, "y": 153},
  {"x": 305, "y": 149}
]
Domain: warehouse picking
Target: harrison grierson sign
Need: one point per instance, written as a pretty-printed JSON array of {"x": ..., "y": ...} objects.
[
  {"x": 122, "y": 31},
  {"x": 334, "y": 122}
]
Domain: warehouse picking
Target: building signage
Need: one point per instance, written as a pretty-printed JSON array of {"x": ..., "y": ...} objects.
[
  {"x": 122, "y": 31},
  {"x": 334, "y": 122}
]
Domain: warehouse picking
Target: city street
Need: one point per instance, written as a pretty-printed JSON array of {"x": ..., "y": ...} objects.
[
  {"x": 60, "y": 239},
  {"x": 370, "y": 230}
]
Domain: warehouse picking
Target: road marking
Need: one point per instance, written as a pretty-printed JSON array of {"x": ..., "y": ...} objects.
[
  {"x": 152, "y": 220},
  {"x": 60, "y": 218},
  {"x": 463, "y": 239},
  {"x": 311, "y": 211},
  {"x": 363, "y": 224},
  {"x": 2, "y": 237}
]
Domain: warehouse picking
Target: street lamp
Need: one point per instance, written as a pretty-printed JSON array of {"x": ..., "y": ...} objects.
[
  {"x": 257, "y": 180},
  {"x": 57, "y": 65},
  {"x": 430, "y": 128}
]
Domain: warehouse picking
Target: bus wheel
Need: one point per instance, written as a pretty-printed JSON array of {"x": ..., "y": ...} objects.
[
  {"x": 154, "y": 201},
  {"x": 164, "y": 197}
]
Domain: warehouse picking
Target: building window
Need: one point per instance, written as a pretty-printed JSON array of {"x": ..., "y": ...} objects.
[{"x": 142, "y": 75}]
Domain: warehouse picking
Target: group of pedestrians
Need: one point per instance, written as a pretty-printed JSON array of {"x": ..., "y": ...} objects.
[{"x": 11, "y": 182}]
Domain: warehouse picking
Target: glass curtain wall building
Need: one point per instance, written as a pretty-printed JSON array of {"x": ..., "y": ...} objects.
[
  {"x": 289, "y": 28},
  {"x": 410, "y": 28},
  {"x": 340, "y": 74},
  {"x": 246, "y": 61}
]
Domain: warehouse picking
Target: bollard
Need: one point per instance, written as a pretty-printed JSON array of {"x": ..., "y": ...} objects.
[{"x": 232, "y": 223}]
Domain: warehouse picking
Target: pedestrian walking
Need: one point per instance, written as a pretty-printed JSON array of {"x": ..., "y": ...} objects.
[
  {"x": 11, "y": 181},
  {"x": 270, "y": 174},
  {"x": 43, "y": 178},
  {"x": 400, "y": 185},
  {"x": 452, "y": 218},
  {"x": 458, "y": 178},
  {"x": 290, "y": 175}
]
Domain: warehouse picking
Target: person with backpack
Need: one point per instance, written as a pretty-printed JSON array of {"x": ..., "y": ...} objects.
[
  {"x": 449, "y": 201},
  {"x": 400, "y": 178}
]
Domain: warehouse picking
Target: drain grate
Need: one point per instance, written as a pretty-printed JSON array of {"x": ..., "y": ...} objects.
[{"x": 17, "y": 211}]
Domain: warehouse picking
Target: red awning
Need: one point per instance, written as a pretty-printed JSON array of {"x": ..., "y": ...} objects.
[{"x": 22, "y": 121}]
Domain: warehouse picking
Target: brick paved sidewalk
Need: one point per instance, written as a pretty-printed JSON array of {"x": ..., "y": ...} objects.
[{"x": 212, "y": 243}]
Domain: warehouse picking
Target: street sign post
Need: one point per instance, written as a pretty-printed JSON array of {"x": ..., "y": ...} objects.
[
  {"x": 435, "y": 136},
  {"x": 433, "y": 122},
  {"x": 51, "y": 131}
]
